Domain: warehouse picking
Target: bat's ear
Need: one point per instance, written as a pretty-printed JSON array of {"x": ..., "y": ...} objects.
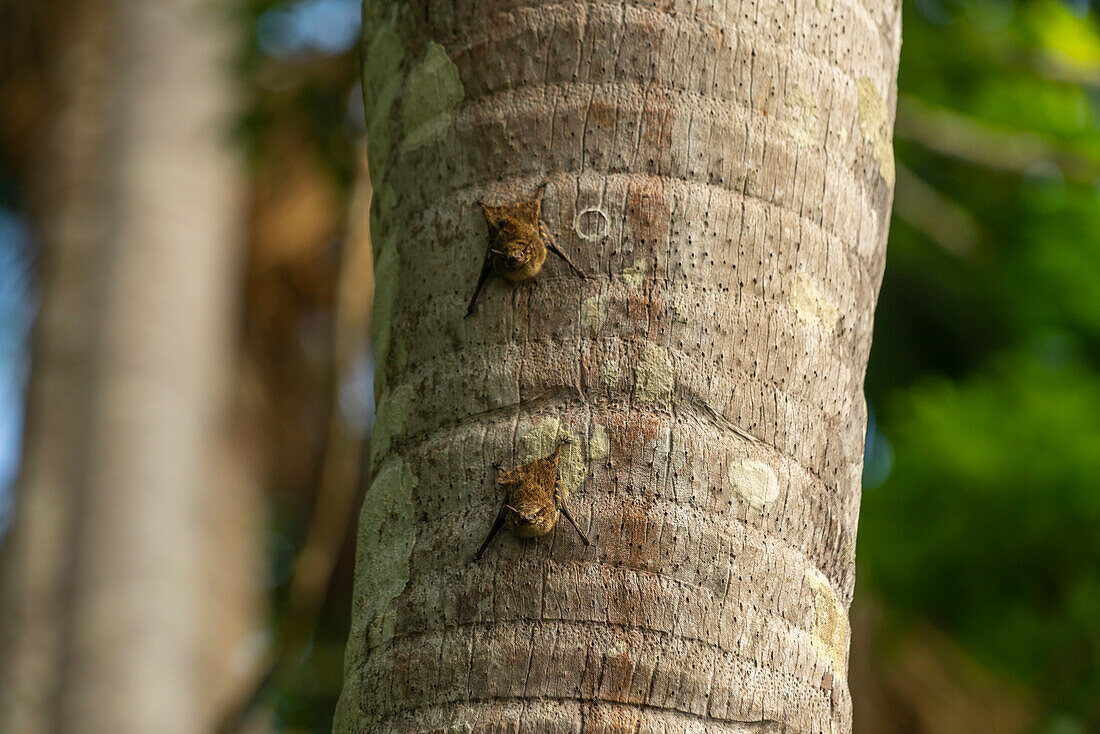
[{"x": 492, "y": 214}]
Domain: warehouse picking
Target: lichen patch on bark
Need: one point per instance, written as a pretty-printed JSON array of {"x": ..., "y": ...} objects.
[
  {"x": 599, "y": 446},
  {"x": 809, "y": 305},
  {"x": 874, "y": 125},
  {"x": 382, "y": 81},
  {"x": 755, "y": 481},
  {"x": 634, "y": 274},
  {"x": 593, "y": 312},
  {"x": 385, "y": 543},
  {"x": 610, "y": 373},
  {"x": 654, "y": 378},
  {"x": 432, "y": 90},
  {"x": 800, "y": 118},
  {"x": 541, "y": 440},
  {"x": 830, "y": 630},
  {"x": 389, "y": 422}
]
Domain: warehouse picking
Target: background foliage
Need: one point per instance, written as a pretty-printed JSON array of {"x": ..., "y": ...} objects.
[{"x": 982, "y": 509}]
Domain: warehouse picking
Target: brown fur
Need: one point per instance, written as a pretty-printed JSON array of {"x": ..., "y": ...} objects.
[
  {"x": 533, "y": 503},
  {"x": 518, "y": 243}
]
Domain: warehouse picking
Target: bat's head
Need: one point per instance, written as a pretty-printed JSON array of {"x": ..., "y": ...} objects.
[
  {"x": 531, "y": 519},
  {"x": 516, "y": 244},
  {"x": 514, "y": 254}
]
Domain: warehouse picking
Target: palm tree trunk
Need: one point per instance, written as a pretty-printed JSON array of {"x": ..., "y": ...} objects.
[{"x": 722, "y": 173}]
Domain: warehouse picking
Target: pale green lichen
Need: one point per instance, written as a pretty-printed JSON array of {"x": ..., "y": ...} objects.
[
  {"x": 634, "y": 274},
  {"x": 541, "y": 441},
  {"x": 599, "y": 446},
  {"x": 432, "y": 91},
  {"x": 593, "y": 312},
  {"x": 385, "y": 543},
  {"x": 830, "y": 632},
  {"x": 755, "y": 481},
  {"x": 874, "y": 125},
  {"x": 847, "y": 552},
  {"x": 382, "y": 84},
  {"x": 800, "y": 117},
  {"x": 572, "y": 467},
  {"x": 389, "y": 422},
  {"x": 654, "y": 378},
  {"x": 610, "y": 373},
  {"x": 809, "y": 305}
]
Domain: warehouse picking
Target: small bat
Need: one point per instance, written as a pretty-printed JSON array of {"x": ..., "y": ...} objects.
[
  {"x": 518, "y": 241},
  {"x": 533, "y": 502}
]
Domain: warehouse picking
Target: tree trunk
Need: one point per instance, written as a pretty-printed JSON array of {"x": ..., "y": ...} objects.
[
  {"x": 67, "y": 203},
  {"x": 722, "y": 173},
  {"x": 106, "y": 595}
]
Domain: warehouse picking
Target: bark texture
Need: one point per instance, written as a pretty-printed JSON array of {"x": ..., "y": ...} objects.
[{"x": 722, "y": 171}]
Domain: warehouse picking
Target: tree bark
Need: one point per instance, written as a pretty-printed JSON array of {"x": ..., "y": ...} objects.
[{"x": 722, "y": 172}]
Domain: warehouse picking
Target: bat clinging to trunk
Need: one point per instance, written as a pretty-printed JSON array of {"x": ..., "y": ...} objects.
[
  {"x": 518, "y": 243},
  {"x": 533, "y": 501}
]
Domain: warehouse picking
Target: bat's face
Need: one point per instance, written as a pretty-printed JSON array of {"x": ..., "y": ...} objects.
[
  {"x": 518, "y": 253},
  {"x": 532, "y": 519},
  {"x": 517, "y": 248},
  {"x": 513, "y": 254}
]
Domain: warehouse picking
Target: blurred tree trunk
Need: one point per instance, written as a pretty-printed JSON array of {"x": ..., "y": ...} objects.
[
  {"x": 723, "y": 174},
  {"x": 107, "y": 621},
  {"x": 62, "y": 170}
]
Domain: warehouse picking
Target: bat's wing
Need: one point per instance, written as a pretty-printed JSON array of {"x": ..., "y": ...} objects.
[
  {"x": 569, "y": 516},
  {"x": 552, "y": 245},
  {"x": 486, "y": 268},
  {"x": 497, "y": 525}
]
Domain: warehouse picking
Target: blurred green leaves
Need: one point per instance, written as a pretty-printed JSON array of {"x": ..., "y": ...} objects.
[
  {"x": 987, "y": 524},
  {"x": 986, "y": 365}
]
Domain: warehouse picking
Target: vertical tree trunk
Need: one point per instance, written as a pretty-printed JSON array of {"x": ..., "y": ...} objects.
[
  {"x": 67, "y": 202},
  {"x": 106, "y": 577},
  {"x": 138, "y": 577},
  {"x": 722, "y": 172}
]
